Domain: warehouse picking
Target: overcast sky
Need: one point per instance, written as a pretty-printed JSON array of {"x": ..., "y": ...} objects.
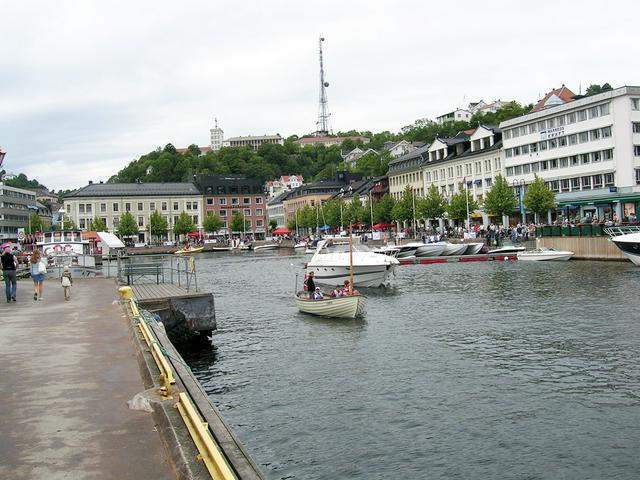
[{"x": 87, "y": 86}]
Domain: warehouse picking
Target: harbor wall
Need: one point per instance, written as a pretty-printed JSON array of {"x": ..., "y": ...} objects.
[{"x": 585, "y": 248}]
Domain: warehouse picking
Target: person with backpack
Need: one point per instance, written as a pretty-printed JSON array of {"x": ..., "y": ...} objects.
[{"x": 9, "y": 263}]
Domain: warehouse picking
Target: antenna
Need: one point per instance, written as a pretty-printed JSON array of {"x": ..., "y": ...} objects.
[
  {"x": 323, "y": 108},
  {"x": 216, "y": 121}
]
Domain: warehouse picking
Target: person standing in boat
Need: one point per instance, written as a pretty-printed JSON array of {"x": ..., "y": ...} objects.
[{"x": 311, "y": 284}]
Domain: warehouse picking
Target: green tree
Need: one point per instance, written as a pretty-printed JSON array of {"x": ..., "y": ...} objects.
[
  {"x": 594, "y": 89},
  {"x": 538, "y": 198},
  {"x": 127, "y": 226},
  {"x": 157, "y": 225},
  {"x": 69, "y": 224},
  {"x": 404, "y": 208},
  {"x": 382, "y": 209},
  {"x": 36, "y": 224},
  {"x": 212, "y": 222},
  {"x": 355, "y": 212},
  {"x": 307, "y": 217},
  {"x": 97, "y": 225},
  {"x": 184, "y": 225},
  {"x": 501, "y": 199},
  {"x": 331, "y": 212},
  {"x": 457, "y": 207},
  {"x": 237, "y": 222},
  {"x": 433, "y": 205}
]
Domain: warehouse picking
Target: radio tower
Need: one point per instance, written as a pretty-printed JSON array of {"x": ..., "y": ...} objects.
[{"x": 323, "y": 109}]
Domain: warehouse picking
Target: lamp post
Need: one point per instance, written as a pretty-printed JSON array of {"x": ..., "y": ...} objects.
[
  {"x": 62, "y": 212},
  {"x": 518, "y": 185},
  {"x": 2, "y": 154}
]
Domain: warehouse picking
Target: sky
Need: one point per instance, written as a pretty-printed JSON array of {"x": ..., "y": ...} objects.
[{"x": 88, "y": 86}]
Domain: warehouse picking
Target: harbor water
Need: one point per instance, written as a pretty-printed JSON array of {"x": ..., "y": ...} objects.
[{"x": 484, "y": 370}]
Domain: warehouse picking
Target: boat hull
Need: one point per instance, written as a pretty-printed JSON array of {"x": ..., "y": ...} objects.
[
  {"x": 430, "y": 250},
  {"x": 340, "y": 307},
  {"x": 545, "y": 257},
  {"x": 454, "y": 249},
  {"x": 629, "y": 245},
  {"x": 473, "y": 248},
  {"x": 191, "y": 251}
]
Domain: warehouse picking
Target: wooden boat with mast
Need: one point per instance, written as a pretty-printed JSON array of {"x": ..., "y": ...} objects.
[{"x": 350, "y": 305}]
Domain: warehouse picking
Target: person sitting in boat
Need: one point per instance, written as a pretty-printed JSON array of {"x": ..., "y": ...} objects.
[
  {"x": 317, "y": 295},
  {"x": 347, "y": 289},
  {"x": 337, "y": 292}
]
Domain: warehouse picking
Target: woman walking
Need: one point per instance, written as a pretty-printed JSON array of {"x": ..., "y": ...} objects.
[{"x": 37, "y": 269}]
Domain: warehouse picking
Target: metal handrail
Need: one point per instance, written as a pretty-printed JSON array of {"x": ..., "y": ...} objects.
[
  {"x": 210, "y": 454},
  {"x": 623, "y": 230},
  {"x": 171, "y": 269}
]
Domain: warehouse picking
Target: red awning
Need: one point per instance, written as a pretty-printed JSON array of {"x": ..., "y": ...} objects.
[
  {"x": 281, "y": 231},
  {"x": 195, "y": 234},
  {"x": 383, "y": 226}
]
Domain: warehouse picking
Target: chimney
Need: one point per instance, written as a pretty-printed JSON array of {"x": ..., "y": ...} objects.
[{"x": 90, "y": 182}]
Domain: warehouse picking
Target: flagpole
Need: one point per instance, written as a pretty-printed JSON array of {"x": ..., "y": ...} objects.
[
  {"x": 371, "y": 208},
  {"x": 466, "y": 190}
]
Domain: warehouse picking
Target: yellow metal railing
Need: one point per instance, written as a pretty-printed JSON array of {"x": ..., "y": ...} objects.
[{"x": 210, "y": 454}]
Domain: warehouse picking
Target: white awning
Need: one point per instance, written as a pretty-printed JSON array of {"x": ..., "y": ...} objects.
[{"x": 110, "y": 240}]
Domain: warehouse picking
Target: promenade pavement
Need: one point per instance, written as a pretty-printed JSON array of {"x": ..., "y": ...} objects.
[{"x": 68, "y": 369}]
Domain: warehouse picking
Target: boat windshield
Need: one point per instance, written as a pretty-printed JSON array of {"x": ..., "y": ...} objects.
[{"x": 331, "y": 246}]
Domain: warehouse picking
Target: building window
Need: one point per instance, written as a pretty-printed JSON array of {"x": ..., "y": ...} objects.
[
  {"x": 235, "y": 201},
  {"x": 259, "y": 223},
  {"x": 564, "y": 185},
  {"x": 551, "y": 123},
  {"x": 104, "y": 220},
  {"x": 608, "y": 179},
  {"x": 195, "y": 219},
  {"x": 152, "y": 206},
  {"x": 141, "y": 221},
  {"x": 607, "y": 154},
  {"x": 81, "y": 207},
  {"x": 584, "y": 158},
  {"x": 573, "y": 139},
  {"x": 488, "y": 182},
  {"x": 571, "y": 118},
  {"x": 103, "y": 207},
  {"x": 116, "y": 222},
  {"x": 526, "y": 168},
  {"x": 544, "y": 165},
  {"x": 175, "y": 205},
  {"x": 636, "y": 150},
  {"x": 525, "y": 150},
  {"x": 542, "y": 146},
  {"x": 246, "y": 201},
  {"x": 553, "y": 143},
  {"x": 575, "y": 183},
  {"x": 583, "y": 137},
  {"x": 564, "y": 162},
  {"x": 223, "y": 213},
  {"x": 554, "y": 185},
  {"x": 140, "y": 206},
  {"x": 594, "y": 112},
  {"x": 561, "y": 120},
  {"x": 597, "y": 181},
  {"x": 188, "y": 205},
  {"x": 247, "y": 212},
  {"x": 82, "y": 223},
  {"x": 223, "y": 201},
  {"x": 115, "y": 208},
  {"x": 209, "y": 201},
  {"x": 604, "y": 109},
  {"x": 582, "y": 115},
  {"x": 509, "y": 153},
  {"x": 517, "y": 170},
  {"x": 541, "y": 125},
  {"x": 533, "y": 128},
  {"x": 258, "y": 200},
  {"x": 553, "y": 163},
  {"x": 595, "y": 134},
  {"x": 586, "y": 183},
  {"x": 636, "y": 127},
  {"x": 637, "y": 176},
  {"x": 496, "y": 164},
  {"x": 259, "y": 212},
  {"x": 127, "y": 207},
  {"x": 596, "y": 157},
  {"x": 535, "y": 167},
  {"x": 88, "y": 208},
  {"x": 635, "y": 104},
  {"x": 164, "y": 206},
  {"x": 562, "y": 141},
  {"x": 507, "y": 136}
]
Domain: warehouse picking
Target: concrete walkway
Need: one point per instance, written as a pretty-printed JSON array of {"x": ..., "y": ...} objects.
[{"x": 68, "y": 369}]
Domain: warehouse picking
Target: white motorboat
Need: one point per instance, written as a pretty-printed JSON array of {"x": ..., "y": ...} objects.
[
  {"x": 507, "y": 249},
  {"x": 269, "y": 246},
  {"x": 627, "y": 239},
  {"x": 473, "y": 248},
  {"x": 454, "y": 249},
  {"x": 350, "y": 306},
  {"x": 430, "y": 250},
  {"x": 545, "y": 254},
  {"x": 330, "y": 265},
  {"x": 301, "y": 245},
  {"x": 391, "y": 250},
  {"x": 310, "y": 251}
]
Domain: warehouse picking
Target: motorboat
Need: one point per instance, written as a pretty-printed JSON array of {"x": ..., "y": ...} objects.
[
  {"x": 188, "y": 251},
  {"x": 269, "y": 246},
  {"x": 350, "y": 306},
  {"x": 473, "y": 248},
  {"x": 221, "y": 249},
  {"x": 331, "y": 265},
  {"x": 452, "y": 249},
  {"x": 408, "y": 249},
  {"x": 430, "y": 249},
  {"x": 627, "y": 239},
  {"x": 391, "y": 250},
  {"x": 506, "y": 249},
  {"x": 300, "y": 245},
  {"x": 545, "y": 254}
]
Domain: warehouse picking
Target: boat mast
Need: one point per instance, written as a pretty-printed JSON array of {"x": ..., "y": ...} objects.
[{"x": 350, "y": 260}]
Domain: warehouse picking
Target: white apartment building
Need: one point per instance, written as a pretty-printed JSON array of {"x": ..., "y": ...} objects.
[
  {"x": 253, "y": 141},
  {"x": 458, "y": 115},
  {"x": 109, "y": 201},
  {"x": 587, "y": 150},
  {"x": 472, "y": 159}
]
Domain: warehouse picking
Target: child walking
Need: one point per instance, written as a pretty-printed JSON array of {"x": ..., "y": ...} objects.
[{"x": 66, "y": 282}]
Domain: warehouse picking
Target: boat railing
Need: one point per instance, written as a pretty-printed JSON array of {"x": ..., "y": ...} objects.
[{"x": 621, "y": 230}]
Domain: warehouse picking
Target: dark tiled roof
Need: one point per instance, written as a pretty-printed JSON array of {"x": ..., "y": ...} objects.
[
  {"x": 413, "y": 154},
  {"x": 467, "y": 154},
  {"x": 135, "y": 189}
]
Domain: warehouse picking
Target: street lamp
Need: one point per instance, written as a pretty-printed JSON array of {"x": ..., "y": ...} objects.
[
  {"x": 518, "y": 185},
  {"x": 2, "y": 154},
  {"x": 61, "y": 212}
]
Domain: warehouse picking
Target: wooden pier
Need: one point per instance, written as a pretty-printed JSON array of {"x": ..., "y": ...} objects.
[{"x": 151, "y": 291}]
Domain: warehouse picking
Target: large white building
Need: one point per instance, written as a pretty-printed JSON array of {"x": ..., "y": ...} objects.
[
  {"x": 587, "y": 150},
  {"x": 109, "y": 201},
  {"x": 253, "y": 141}
]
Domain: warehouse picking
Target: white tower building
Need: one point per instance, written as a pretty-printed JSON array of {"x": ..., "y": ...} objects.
[{"x": 217, "y": 136}]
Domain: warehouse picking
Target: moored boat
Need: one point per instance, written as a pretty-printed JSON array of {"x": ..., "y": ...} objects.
[
  {"x": 627, "y": 239},
  {"x": 430, "y": 250},
  {"x": 473, "y": 248},
  {"x": 452, "y": 249},
  {"x": 188, "y": 251},
  {"x": 269, "y": 246},
  {"x": 545, "y": 254},
  {"x": 408, "y": 249},
  {"x": 506, "y": 249},
  {"x": 350, "y": 306}
]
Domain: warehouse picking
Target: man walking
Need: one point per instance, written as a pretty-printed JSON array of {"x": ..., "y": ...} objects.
[{"x": 9, "y": 263}]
